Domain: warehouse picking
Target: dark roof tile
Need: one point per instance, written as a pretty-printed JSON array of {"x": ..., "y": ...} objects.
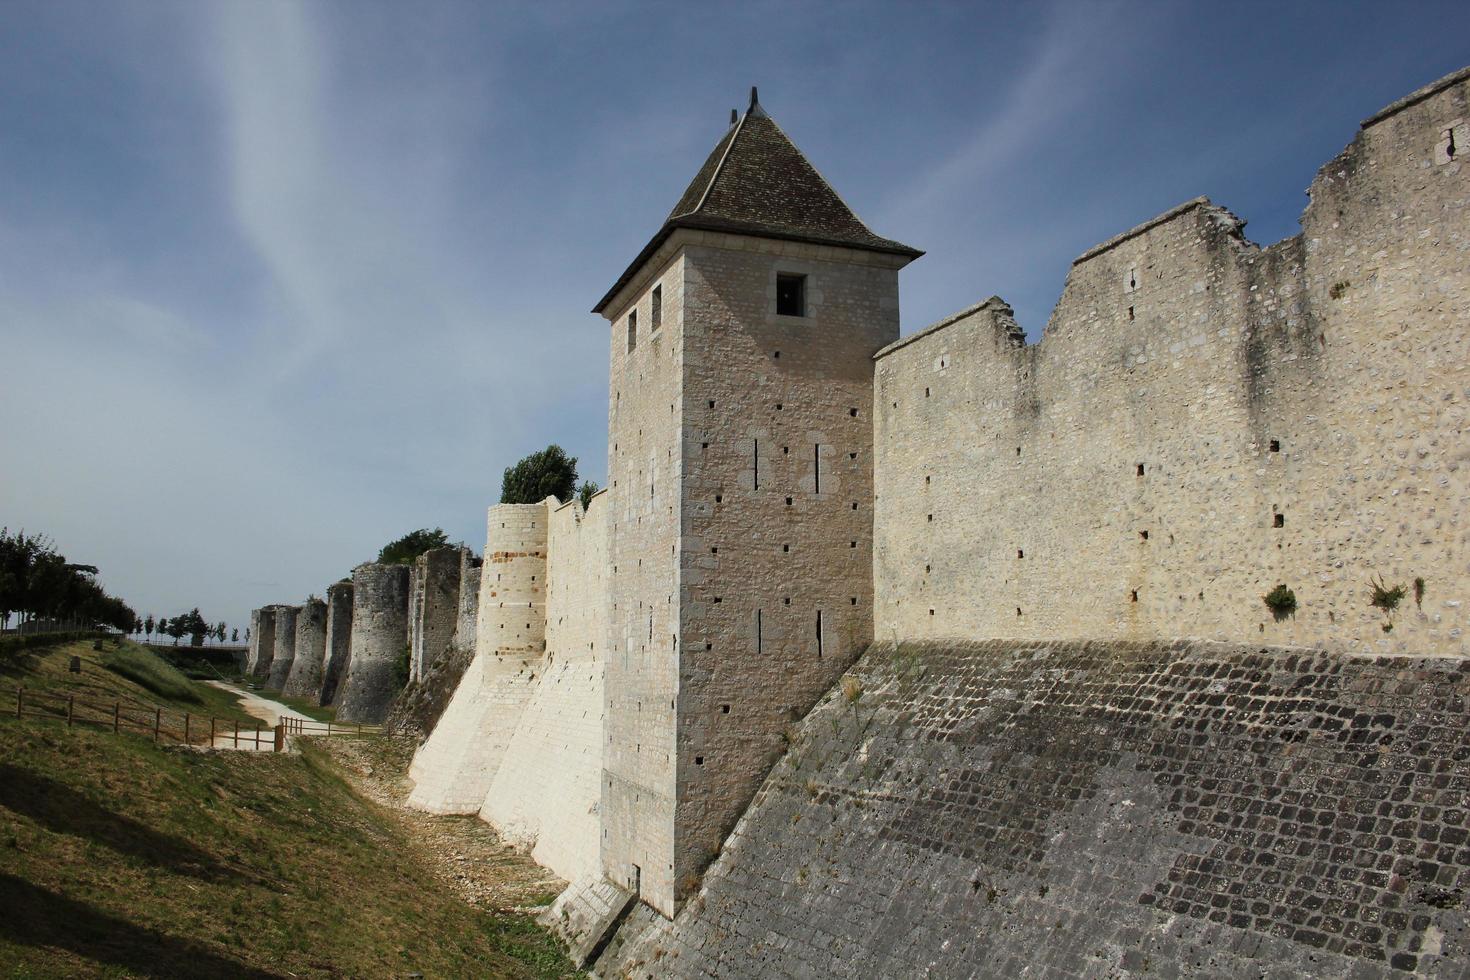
[{"x": 756, "y": 182}]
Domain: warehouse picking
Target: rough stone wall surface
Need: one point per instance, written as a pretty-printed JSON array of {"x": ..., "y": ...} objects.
[
  {"x": 1023, "y": 808},
  {"x": 741, "y": 456},
  {"x": 338, "y": 640},
  {"x": 1202, "y": 421},
  {"x": 434, "y": 607},
  {"x": 379, "y": 639},
  {"x": 305, "y": 678},
  {"x": 469, "y": 600},
  {"x": 284, "y": 650},
  {"x": 453, "y": 769},
  {"x": 262, "y": 642},
  {"x": 546, "y": 792}
]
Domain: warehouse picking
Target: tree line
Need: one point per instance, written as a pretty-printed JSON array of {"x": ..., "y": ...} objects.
[{"x": 38, "y": 584}]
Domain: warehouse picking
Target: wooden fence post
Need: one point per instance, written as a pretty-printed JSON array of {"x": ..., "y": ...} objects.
[
  {"x": 186, "y": 728},
  {"x": 237, "y": 733},
  {"x": 20, "y": 700},
  {"x": 116, "y": 712},
  {"x": 70, "y": 698},
  {"x": 157, "y": 722},
  {"x": 211, "y": 731},
  {"x": 280, "y": 738}
]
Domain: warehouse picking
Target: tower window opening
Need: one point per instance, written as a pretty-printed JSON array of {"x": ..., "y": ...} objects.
[
  {"x": 656, "y": 309},
  {"x": 755, "y": 448},
  {"x": 790, "y": 295},
  {"x": 758, "y": 638},
  {"x": 1280, "y": 521},
  {"x": 1143, "y": 535},
  {"x": 816, "y": 468},
  {"x": 724, "y": 709},
  {"x": 819, "y": 633},
  {"x": 632, "y": 331},
  {"x": 1276, "y": 445},
  {"x": 1140, "y": 469},
  {"x": 1130, "y": 314}
]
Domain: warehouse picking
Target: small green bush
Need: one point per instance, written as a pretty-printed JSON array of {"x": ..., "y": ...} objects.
[
  {"x": 1385, "y": 598},
  {"x": 1419, "y": 591},
  {"x": 1281, "y": 601}
]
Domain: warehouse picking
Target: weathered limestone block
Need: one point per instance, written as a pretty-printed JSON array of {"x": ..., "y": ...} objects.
[
  {"x": 262, "y": 642},
  {"x": 305, "y": 679},
  {"x": 586, "y": 913},
  {"x": 338, "y": 639},
  {"x": 453, "y": 769},
  {"x": 284, "y": 654},
  {"x": 379, "y": 640},
  {"x": 546, "y": 792},
  {"x": 433, "y": 607}
]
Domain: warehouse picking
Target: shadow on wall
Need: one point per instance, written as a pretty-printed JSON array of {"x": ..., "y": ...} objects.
[{"x": 37, "y": 917}]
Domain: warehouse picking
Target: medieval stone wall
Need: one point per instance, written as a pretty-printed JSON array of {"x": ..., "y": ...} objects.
[
  {"x": 262, "y": 642},
  {"x": 546, "y": 792},
  {"x": 379, "y": 640},
  {"x": 453, "y": 769},
  {"x": 434, "y": 607},
  {"x": 338, "y": 640},
  {"x": 305, "y": 678},
  {"x": 1203, "y": 420},
  {"x": 1024, "y": 808},
  {"x": 283, "y": 653}
]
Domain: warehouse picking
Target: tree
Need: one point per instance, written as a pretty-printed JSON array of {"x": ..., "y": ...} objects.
[
  {"x": 219, "y": 632},
  {"x": 586, "y": 492},
  {"x": 549, "y": 473},
  {"x": 235, "y": 635},
  {"x": 176, "y": 629},
  {"x": 162, "y": 626},
  {"x": 148, "y": 626},
  {"x": 411, "y": 545}
]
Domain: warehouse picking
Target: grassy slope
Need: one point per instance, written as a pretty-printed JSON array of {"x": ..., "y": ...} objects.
[
  {"x": 122, "y": 858},
  {"x": 46, "y": 671}
]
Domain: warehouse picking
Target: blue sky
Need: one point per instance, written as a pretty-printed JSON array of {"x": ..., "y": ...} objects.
[{"x": 282, "y": 281}]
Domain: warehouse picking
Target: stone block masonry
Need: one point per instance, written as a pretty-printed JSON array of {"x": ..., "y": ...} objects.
[
  {"x": 434, "y": 607},
  {"x": 470, "y": 569},
  {"x": 284, "y": 651},
  {"x": 305, "y": 679},
  {"x": 262, "y": 642},
  {"x": 546, "y": 792},
  {"x": 1204, "y": 420},
  {"x": 379, "y": 641},
  {"x": 453, "y": 769},
  {"x": 338, "y": 639},
  {"x": 1023, "y": 808}
]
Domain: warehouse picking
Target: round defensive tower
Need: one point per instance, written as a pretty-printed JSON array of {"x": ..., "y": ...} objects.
[
  {"x": 513, "y": 583},
  {"x": 305, "y": 678},
  {"x": 285, "y": 647},
  {"x": 338, "y": 640},
  {"x": 379, "y": 639}
]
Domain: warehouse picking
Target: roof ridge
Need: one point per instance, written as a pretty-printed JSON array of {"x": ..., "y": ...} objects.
[{"x": 718, "y": 167}]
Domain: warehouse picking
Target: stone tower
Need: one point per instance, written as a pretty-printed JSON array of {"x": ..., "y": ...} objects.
[{"x": 740, "y": 457}]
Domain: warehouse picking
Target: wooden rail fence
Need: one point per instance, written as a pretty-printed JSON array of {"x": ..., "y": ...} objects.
[
  {"x": 302, "y": 726},
  {"x": 183, "y": 727}
]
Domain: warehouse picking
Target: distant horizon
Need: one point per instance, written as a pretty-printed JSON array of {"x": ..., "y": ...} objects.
[{"x": 286, "y": 281}]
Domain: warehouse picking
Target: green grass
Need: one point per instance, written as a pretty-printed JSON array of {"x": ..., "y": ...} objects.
[
  {"x": 99, "y": 682},
  {"x": 119, "y": 857},
  {"x": 149, "y": 671}
]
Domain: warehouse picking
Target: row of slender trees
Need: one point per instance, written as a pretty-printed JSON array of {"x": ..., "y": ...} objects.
[
  {"x": 191, "y": 624},
  {"x": 38, "y": 585}
]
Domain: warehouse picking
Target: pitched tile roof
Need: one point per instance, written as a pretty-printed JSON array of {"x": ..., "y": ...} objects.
[{"x": 756, "y": 182}]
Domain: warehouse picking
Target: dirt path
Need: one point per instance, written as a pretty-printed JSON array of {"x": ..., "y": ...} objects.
[
  {"x": 268, "y": 711},
  {"x": 465, "y": 853}
]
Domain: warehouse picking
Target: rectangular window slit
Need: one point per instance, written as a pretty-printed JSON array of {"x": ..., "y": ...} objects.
[
  {"x": 755, "y": 449},
  {"x": 816, "y": 469},
  {"x": 656, "y": 312},
  {"x": 790, "y": 295},
  {"x": 819, "y": 633},
  {"x": 1280, "y": 520},
  {"x": 758, "y": 638},
  {"x": 632, "y": 331}
]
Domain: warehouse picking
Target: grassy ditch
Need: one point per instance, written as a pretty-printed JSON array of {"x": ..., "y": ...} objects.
[{"x": 122, "y": 858}]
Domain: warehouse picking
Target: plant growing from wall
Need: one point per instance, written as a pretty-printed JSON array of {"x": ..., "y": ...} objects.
[
  {"x": 586, "y": 492},
  {"x": 1281, "y": 601},
  {"x": 1419, "y": 591},
  {"x": 1387, "y": 599}
]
